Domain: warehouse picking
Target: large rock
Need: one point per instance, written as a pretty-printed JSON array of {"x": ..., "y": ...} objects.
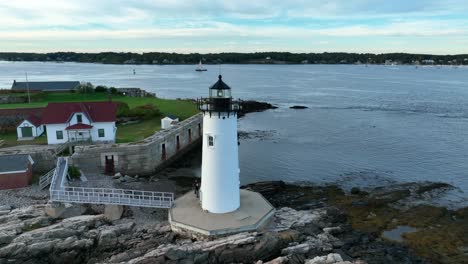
[{"x": 113, "y": 211}]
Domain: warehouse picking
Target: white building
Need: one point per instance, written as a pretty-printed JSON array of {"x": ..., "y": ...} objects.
[
  {"x": 30, "y": 128},
  {"x": 168, "y": 121},
  {"x": 84, "y": 121},
  {"x": 220, "y": 184}
]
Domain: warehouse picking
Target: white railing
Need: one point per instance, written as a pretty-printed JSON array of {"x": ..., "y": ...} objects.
[
  {"x": 113, "y": 196},
  {"x": 61, "y": 192},
  {"x": 45, "y": 179},
  {"x": 53, "y": 182}
]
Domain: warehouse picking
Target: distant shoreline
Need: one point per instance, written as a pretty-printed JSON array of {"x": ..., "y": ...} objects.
[
  {"x": 270, "y": 58},
  {"x": 253, "y": 63}
]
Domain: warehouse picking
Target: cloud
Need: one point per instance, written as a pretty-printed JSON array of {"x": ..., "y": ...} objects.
[
  {"x": 244, "y": 24},
  {"x": 424, "y": 28}
]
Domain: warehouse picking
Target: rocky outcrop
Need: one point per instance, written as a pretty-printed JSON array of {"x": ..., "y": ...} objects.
[
  {"x": 29, "y": 236},
  {"x": 254, "y": 106},
  {"x": 304, "y": 229},
  {"x": 298, "y": 107}
]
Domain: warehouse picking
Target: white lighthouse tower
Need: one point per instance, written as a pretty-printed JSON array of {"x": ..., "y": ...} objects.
[
  {"x": 219, "y": 192},
  {"x": 221, "y": 208}
]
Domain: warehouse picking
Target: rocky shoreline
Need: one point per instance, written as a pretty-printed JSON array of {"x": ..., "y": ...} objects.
[{"x": 313, "y": 224}]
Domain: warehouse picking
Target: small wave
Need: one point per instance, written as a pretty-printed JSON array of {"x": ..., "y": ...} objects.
[{"x": 439, "y": 112}]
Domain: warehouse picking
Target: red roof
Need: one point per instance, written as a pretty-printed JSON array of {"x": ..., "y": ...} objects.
[
  {"x": 59, "y": 113},
  {"x": 35, "y": 120},
  {"x": 79, "y": 126},
  {"x": 33, "y": 115}
]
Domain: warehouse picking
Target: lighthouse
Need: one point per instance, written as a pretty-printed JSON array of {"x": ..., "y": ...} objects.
[
  {"x": 220, "y": 207},
  {"x": 219, "y": 192}
]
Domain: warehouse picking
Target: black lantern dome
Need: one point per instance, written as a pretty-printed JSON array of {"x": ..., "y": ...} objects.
[
  {"x": 219, "y": 100},
  {"x": 220, "y": 89}
]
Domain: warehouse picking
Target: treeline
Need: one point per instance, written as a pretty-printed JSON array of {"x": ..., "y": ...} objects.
[{"x": 239, "y": 58}]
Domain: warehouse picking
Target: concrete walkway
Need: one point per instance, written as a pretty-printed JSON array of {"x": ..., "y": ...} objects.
[{"x": 60, "y": 191}]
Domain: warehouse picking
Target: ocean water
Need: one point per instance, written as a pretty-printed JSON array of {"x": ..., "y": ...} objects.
[{"x": 365, "y": 125}]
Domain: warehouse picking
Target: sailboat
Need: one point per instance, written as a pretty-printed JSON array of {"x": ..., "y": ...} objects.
[{"x": 200, "y": 67}]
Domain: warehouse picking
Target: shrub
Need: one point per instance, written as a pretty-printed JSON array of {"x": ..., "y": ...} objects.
[
  {"x": 123, "y": 110},
  {"x": 74, "y": 172},
  {"x": 145, "y": 112},
  {"x": 113, "y": 90},
  {"x": 100, "y": 89},
  {"x": 85, "y": 88}
]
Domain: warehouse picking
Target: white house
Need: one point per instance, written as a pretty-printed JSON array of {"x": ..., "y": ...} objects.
[
  {"x": 84, "y": 121},
  {"x": 30, "y": 128},
  {"x": 168, "y": 121}
]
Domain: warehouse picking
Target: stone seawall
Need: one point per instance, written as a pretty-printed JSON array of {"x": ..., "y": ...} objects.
[{"x": 144, "y": 157}]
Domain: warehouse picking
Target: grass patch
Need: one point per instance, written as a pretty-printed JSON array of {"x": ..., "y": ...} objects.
[
  {"x": 138, "y": 131},
  {"x": 10, "y": 139}
]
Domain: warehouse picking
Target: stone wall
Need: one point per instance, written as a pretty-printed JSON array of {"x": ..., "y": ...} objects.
[
  {"x": 10, "y": 99},
  {"x": 143, "y": 157}
]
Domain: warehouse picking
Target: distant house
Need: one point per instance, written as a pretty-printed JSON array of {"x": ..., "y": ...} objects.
[
  {"x": 135, "y": 92},
  {"x": 168, "y": 121},
  {"x": 46, "y": 86},
  {"x": 430, "y": 62},
  {"x": 15, "y": 171},
  {"x": 84, "y": 121},
  {"x": 30, "y": 128}
]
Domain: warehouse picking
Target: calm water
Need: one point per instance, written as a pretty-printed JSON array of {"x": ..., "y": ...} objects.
[{"x": 366, "y": 125}]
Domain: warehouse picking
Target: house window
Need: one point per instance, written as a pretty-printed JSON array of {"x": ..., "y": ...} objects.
[
  {"x": 101, "y": 132},
  {"x": 210, "y": 141},
  {"x": 59, "y": 134},
  {"x": 79, "y": 119}
]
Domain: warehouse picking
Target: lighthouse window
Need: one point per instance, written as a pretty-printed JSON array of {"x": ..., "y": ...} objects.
[
  {"x": 220, "y": 93},
  {"x": 210, "y": 141}
]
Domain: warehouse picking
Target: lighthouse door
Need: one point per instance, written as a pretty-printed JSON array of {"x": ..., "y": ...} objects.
[
  {"x": 110, "y": 169},
  {"x": 178, "y": 142},
  {"x": 163, "y": 151}
]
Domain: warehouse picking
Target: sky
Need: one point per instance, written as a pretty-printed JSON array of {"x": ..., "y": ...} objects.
[{"x": 185, "y": 26}]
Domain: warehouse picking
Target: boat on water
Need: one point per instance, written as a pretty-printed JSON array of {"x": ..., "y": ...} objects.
[{"x": 200, "y": 67}]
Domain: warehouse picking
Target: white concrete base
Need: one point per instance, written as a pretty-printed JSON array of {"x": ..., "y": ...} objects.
[
  {"x": 113, "y": 212},
  {"x": 188, "y": 218}
]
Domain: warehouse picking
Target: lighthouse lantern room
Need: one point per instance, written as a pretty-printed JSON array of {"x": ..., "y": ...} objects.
[{"x": 219, "y": 192}]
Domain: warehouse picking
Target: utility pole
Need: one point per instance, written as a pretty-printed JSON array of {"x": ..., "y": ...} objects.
[{"x": 27, "y": 86}]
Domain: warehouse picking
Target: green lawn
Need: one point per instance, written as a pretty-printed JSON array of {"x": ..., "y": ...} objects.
[
  {"x": 139, "y": 131},
  {"x": 181, "y": 108},
  {"x": 10, "y": 140},
  {"x": 128, "y": 133}
]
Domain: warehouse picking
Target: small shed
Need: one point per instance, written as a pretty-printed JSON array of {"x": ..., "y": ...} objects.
[
  {"x": 168, "y": 121},
  {"x": 30, "y": 128},
  {"x": 15, "y": 171}
]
